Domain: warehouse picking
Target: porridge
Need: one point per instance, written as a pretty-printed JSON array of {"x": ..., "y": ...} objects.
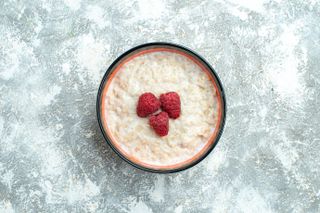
[{"x": 160, "y": 72}]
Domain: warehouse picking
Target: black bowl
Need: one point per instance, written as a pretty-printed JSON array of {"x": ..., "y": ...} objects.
[{"x": 203, "y": 63}]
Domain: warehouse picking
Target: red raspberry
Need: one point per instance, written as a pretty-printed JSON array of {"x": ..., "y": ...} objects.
[
  {"x": 170, "y": 103},
  {"x": 147, "y": 104},
  {"x": 160, "y": 123}
]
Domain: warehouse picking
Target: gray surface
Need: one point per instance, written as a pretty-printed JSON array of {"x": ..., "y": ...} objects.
[{"x": 53, "y": 54}]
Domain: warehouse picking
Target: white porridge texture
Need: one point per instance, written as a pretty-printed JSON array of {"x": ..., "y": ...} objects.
[{"x": 160, "y": 72}]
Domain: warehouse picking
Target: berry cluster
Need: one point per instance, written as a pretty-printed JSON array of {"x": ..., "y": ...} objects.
[{"x": 170, "y": 105}]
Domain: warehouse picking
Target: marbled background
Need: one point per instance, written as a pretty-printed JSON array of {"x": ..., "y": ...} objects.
[{"x": 53, "y": 54}]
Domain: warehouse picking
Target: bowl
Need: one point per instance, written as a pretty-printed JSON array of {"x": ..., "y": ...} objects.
[{"x": 193, "y": 57}]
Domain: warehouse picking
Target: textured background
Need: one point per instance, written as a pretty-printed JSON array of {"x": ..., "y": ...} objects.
[{"x": 53, "y": 54}]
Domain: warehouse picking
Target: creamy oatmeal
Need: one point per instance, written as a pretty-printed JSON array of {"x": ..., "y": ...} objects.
[{"x": 160, "y": 72}]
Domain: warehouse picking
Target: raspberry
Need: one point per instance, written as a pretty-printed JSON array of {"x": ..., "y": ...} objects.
[
  {"x": 170, "y": 103},
  {"x": 147, "y": 104},
  {"x": 160, "y": 123}
]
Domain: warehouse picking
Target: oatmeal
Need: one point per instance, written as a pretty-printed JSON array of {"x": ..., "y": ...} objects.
[{"x": 160, "y": 72}]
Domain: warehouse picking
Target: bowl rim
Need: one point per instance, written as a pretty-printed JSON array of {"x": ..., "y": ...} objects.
[{"x": 210, "y": 69}]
